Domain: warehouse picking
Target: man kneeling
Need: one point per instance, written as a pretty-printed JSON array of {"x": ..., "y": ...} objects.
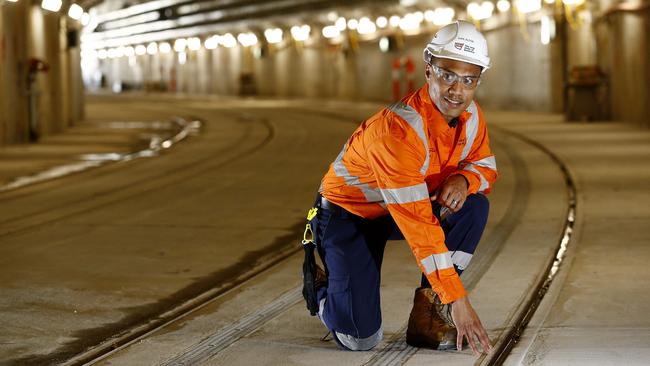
[{"x": 418, "y": 170}]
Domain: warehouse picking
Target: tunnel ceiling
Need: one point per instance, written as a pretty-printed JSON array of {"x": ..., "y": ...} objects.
[{"x": 143, "y": 21}]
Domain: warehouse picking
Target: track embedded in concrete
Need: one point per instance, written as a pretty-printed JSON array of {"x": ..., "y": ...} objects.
[
  {"x": 226, "y": 336},
  {"x": 396, "y": 352},
  {"x": 503, "y": 348},
  {"x": 148, "y": 326},
  {"x": 89, "y": 161}
]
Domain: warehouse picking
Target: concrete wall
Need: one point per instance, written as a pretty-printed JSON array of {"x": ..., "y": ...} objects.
[
  {"x": 623, "y": 40},
  {"x": 523, "y": 75},
  {"x": 13, "y": 55},
  {"x": 526, "y": 75},
  {"x": 26, "y": 32}
]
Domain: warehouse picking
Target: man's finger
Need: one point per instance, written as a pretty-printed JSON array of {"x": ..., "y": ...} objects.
[
  {"x": 435, "y": 194},
  {"x": 448, "y": 197},
  {"x": 472, "y": 343},
  {"x": 485, "y": 340},
  {"x": 459, "y": 340},
  {"x": 455, "y": 202},
  {"x": 459, "y": 205}
]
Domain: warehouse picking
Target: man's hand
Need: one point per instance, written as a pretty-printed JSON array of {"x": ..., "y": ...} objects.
[
  {"x": 453, "y": 193},
  {"x": 469, "y": 325}
]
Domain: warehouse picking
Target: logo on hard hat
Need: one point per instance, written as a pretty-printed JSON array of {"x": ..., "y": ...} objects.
[
  {"x": 468, "y": 49},
  {"x": 458, "y": 45}
]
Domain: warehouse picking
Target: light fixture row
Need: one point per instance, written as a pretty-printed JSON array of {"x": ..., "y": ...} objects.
[{"x": 75, "y": 11}]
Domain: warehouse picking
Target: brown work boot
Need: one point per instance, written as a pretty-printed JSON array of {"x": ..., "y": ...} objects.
[{"x": 430, "y": 324}]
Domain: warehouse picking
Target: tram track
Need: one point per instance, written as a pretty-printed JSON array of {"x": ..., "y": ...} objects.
[
  {"x": 533, "y": 299},
  {"x": 120, "y": 193},
  {"x": 281, "y": 249},
  {"x": 394, "y": 353},
  {"x": 42, "y": 217}
]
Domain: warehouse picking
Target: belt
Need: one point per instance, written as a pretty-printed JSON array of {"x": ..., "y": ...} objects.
[{"x": 327, "y": 205}]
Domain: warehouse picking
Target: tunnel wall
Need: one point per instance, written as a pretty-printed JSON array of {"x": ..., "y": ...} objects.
[
  {"x": 623, "y": 39},
  {"x": 13, "y": 105},
  {"x": 29, "y": 32},
  {"x": 526, "y": 75},
  {"x": 355, "y": 71}
]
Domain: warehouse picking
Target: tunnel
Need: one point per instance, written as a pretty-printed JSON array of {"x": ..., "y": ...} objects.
[{"x": 319, "y": 182}]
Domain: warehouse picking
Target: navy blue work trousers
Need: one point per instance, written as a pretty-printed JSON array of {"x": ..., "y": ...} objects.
[{"x": 352, "y": 249}]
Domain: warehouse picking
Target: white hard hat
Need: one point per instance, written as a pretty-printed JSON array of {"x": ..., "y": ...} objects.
[{"x": 459, "y": 41}]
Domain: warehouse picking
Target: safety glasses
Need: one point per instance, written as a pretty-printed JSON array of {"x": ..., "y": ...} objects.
[{"x": 450, "y": 77}]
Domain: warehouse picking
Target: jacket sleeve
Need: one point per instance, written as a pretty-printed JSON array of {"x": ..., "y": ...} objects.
[
  {"x": 480, "y": 166},
  {"x": 396, "y": 165}
]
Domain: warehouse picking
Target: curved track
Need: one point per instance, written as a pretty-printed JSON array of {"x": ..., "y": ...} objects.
[
  {"x": 196, "y": 168},
  {"x": 395, "y": 352}
]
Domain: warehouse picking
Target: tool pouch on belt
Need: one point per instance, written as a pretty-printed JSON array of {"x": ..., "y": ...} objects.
[{"x": 309, "y": 266}]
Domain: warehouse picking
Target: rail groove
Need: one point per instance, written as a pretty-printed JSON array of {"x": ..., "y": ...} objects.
[{"x": 396, "y": 352}]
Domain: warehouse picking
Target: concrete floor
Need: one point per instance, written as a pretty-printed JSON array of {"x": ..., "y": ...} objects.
[
  {"x": 87, "y": 256},
  {"x": 597, "y": 313}
]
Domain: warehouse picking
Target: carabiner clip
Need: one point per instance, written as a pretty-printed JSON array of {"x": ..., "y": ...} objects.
[{"x": 308, "y": 236}]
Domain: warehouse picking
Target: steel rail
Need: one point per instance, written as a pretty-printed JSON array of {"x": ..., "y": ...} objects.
[
  {"x": 504, "y": 345},
  {"x": 399, "y": 353},
  {"x": 396, "y": 352}
]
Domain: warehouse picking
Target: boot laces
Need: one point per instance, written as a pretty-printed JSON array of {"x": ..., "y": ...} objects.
[{"x": 444, "y": 310}]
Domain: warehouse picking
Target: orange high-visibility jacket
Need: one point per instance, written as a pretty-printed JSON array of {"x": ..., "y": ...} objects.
[{"x": 396, "y": 159}]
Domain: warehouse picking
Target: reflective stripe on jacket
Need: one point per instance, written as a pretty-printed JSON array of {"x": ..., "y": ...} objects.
[{"x": 396, "y": 159}]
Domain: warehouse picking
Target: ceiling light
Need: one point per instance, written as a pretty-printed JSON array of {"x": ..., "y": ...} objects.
[
  {"x": 382, "y": 22},
  {"x": 480, "y": 12},
  {"x": 366, "y": 26},
  {"x": 164, "y": 47},
  {"x": 51, "y": 5},
  {"x": 152, "y": 48},
  {"x": 409, "y": 22},
  {"x": 273, "y": 35},
  {"x": 75, "y": 12},
  {"x": 85, "y": 19},
  {"x": 228, "y": 40},
  {"x": 528, "y": 6},
  {"x": 443, "y": 16},
  {"x": 331, "y": 31},
  {"x": 300, "y": 33},
  {"x": 194, "y": 44},
  {"x": 247, "y": 39},
  {"x": 341, "y": 24},
  {"x": 384, "y": 44},
  {"x": 429, "y": 15},
  {"x": 211, "y": 43},
  {"x": 140, "y": 50},
  {"x": 394, "y": 21},
  {"x": 419, "y": 16},
  {"x": 503, "y": 5}
]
